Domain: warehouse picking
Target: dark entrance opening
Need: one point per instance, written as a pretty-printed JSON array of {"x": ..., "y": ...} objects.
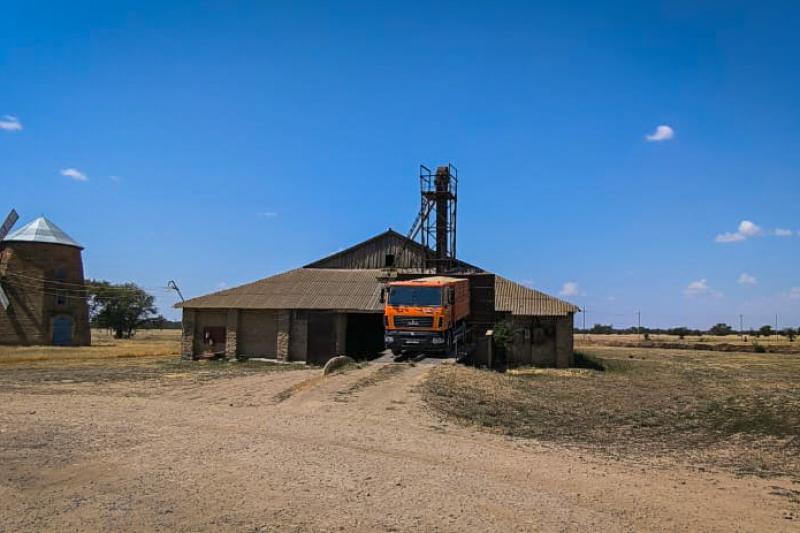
[
  {"x": 321, "y": 337},
  {"x": 62, "y": 331},
  {"x": 364, "y": 335}
]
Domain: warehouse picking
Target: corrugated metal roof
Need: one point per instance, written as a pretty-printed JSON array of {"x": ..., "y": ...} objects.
[
  {"x": 520, "y": 300},
  {"x": 42, "y": 230},
  {"x": 303, "y": 288},
  {"x": 357, "y": 290},
  {"x": 436, "y": 280}
]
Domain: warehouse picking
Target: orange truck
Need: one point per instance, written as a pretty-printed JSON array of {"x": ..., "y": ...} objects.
[{"x": 426, "y": 314}]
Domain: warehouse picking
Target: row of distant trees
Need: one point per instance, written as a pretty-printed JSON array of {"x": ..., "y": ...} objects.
[
  {"x": 124, "y": 308},
  {"x": 720, "y": 329}
]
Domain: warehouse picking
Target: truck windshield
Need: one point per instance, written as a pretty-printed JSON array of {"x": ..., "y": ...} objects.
[{"x": 420, "y": 296}]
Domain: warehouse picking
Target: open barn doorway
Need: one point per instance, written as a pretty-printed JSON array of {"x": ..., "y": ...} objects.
[
  {"x": 321, "y": 337},
  {"x": 364, "y": 335}
]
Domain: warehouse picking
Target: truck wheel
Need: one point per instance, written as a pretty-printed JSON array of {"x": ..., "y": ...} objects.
[{"x": 396, "y": 352}]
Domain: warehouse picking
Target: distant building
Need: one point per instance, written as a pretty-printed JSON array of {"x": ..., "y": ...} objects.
[
  {"x": 41, "y": 274},
  {"x": 332, "y": 306}
]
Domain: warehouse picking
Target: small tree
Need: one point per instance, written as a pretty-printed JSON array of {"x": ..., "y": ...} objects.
[
  {"x": 122, "y": 308},
  {"x": 602, "y": 329},
  {"x": 765, "y": 331},
  {"x": 720, "y": 329},
  {"x": 504, "y": 332},
  {"x": 790, "y": 334},
  {"x": 681, "y": 332}
]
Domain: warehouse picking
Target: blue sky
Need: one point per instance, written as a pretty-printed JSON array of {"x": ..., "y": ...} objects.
[{"x": 215, "y": 143}]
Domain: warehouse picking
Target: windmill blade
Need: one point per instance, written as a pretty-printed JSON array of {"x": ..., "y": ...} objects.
[
  {"x": 11, "y": 219},
  {"x": 4, "y": 299}
]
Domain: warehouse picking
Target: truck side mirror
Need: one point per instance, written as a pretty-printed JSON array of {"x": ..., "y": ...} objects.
[{"x": 383, "y": 296}]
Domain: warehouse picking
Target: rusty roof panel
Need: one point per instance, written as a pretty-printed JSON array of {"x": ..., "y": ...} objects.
[
  {"x": 303, "y": 288},
  {"x": 520, "y": 300}
]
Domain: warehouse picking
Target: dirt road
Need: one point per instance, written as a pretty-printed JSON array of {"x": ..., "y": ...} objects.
[{"x": 289, "y": 451}]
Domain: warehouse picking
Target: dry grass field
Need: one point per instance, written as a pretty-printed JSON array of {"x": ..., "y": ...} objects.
[
  {"x": 125, "y": 436},
  {"x": 731, "y": 343},
  {"x": 740, "y": 411},
  {"x": 146, "y": 343},
  {"x": 151, "y": 356}
]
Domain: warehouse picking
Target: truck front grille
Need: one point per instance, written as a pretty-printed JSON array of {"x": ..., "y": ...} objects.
[{"x": 413, "y": 321}]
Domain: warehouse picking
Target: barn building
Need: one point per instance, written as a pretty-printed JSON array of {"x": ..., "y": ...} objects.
[
  {"x": 41, "y": 276},
  {"x": 332, "y": 306}
]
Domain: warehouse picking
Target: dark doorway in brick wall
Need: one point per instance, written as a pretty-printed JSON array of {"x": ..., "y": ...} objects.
[
  {"x": 321, "y": 337},
  {"x": 364, "y": 335}
]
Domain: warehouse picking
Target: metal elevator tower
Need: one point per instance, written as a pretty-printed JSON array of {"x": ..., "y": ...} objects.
[{"x": 436, "y": 221}]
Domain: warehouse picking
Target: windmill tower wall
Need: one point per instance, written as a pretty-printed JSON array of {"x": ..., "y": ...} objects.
[{"x": 44, "y": 284}]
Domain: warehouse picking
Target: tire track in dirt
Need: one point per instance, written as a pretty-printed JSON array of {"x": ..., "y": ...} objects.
[{"x": 223, "y": 455}]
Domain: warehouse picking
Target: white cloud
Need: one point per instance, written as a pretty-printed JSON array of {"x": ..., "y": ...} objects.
[
  {"x": 570, "y": 288},
  {"x": 267, "y": 214},
  {"x": 794, "y": 293},
  {"x": 746, "y": 279},
  {"x": 115, "y": 179},
  {"x": 75, "y": 174},
  {"x": 729, "y": 237},
  {"x": 746, "y": 230},
  {"x": 662, "y": 133},
  {"x": 10, "y": 123},
  {"x": 700, "y": 288},
  {"x": 780, "y": 232}
]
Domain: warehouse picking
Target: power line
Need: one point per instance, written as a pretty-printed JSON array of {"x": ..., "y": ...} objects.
[
  {"x": 82, "y": 285},
  {"x": 69, "y": 293}
]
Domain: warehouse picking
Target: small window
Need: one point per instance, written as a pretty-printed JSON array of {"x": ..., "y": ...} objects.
[
  {"x": 61, "y": 298},
  {"x": 213, "y": 335},
  {"x": 389, "y": 261}
]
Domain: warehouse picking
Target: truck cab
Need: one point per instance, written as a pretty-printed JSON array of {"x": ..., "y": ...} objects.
[{"x": 426, "y": 314}]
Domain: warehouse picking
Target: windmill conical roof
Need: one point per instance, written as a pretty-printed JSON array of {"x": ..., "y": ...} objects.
[{"x": 42, "y": 230}]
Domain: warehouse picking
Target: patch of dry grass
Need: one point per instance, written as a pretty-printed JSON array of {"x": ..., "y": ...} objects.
[
  {"x": 152, "y": 354},
  {"x": 381, "y": 374},
  {"x": 306, "y": 384},
  {"x": 725, "y": 343},
  {"x": 97, "y": 371},
  {"x": 737, "y": 409},
  {"x": 146, "y": 343}
]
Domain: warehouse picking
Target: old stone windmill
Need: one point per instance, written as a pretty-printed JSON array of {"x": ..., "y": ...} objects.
[{"x": 42, "y": 291}]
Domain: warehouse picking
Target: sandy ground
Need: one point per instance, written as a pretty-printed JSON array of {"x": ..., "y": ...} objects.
[{"x": 352, "y": 452}]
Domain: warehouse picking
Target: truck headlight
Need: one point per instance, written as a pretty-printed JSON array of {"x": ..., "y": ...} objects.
[
  {"x": 437, "y": 340},
  {"x": 388, "y": 339}
]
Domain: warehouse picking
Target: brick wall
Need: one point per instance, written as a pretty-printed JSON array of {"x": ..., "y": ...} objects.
[
  {"x": 565, "y": 355},
  {"x": 284, "y": 325},
  {"x": 33, "y": 276},
  {"x": 187, "y": 333},
  {"x": 232, "y": 333}
]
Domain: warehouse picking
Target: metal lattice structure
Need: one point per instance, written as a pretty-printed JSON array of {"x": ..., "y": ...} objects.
[{"x": 435, "y": 225}]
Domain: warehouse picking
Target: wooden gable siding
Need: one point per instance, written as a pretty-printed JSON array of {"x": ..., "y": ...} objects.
[{"x": 371, "y": 254}]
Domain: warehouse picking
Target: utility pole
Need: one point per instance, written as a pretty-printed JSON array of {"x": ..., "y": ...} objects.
[
  {"x": 777, "y": 336},
  {"x": 639, "y": 324},
  {"x": 174, "y": 286},
  {"x": 741, "y": 326},
  {"x": 584, "y": 324}
]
